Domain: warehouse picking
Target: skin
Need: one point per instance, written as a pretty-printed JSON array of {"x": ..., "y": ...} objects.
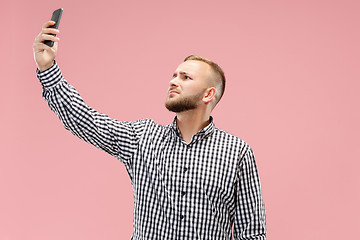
[
  {"x": 43, "y": 54},
  {"x": 192, "y": 79}
]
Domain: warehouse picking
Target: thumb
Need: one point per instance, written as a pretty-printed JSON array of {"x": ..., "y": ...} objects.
[{"x": 54, "y": 48}]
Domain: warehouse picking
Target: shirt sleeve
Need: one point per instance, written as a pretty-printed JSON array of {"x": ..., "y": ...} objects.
[
  {"x": 250, "y": 220},
  {"x": 119, "y": 139}
]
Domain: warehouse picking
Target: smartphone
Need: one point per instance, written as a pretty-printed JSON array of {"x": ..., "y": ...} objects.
[{"x": 56, "y": 16}]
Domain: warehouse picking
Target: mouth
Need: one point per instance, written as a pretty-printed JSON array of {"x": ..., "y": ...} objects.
[{"x": 173, "y": 92}]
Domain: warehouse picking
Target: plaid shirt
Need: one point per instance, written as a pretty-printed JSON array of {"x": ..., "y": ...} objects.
[{"x": 192, "y": 191}]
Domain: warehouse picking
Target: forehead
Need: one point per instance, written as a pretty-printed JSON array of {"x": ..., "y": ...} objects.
[{"x": 195, "y": 68}]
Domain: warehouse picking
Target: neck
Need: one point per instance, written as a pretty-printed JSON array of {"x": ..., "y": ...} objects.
[{"x": 190, "y": 122}]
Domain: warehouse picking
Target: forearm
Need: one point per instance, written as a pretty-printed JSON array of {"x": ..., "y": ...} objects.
[
  {"x": 73, "y": 112},
  {"x": 118, "y": 138}
]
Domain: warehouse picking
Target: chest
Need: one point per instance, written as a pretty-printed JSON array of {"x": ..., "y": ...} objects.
[{"x": 206, "y": 167}]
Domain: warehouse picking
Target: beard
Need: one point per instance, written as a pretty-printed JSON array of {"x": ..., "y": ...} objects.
[{"x": 183, "y": 103}]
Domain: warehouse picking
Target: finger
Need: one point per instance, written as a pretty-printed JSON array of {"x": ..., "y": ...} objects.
[
  {"x": 38, "y": 39},
  {"x": 48, "y": 37},
  {"x": 50, "y": 31},
  {"x": 41, "y": 46},
  {"x": 48, "y": 24},
  {"x": 55, "y": 46}
]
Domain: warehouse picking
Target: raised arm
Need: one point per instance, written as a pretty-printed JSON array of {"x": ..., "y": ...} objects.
[{"x": 119, "y": 139}]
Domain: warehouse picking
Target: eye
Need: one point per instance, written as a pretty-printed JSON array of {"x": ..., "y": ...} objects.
[{"x": 187, "y": 77}]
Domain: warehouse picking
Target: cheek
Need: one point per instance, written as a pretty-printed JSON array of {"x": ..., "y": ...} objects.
[{"x": 191, "y": 87}]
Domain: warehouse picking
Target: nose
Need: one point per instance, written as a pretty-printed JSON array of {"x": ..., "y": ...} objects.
[{"x": 174, "y": 82}]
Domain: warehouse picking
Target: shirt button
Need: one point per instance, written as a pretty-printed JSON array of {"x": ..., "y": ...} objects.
[
  {"x": 182, "y": 217},
  {"x": 183, "y": 193}
]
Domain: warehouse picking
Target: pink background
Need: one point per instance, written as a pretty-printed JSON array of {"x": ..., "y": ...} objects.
[{"x": 292, "y": 93}]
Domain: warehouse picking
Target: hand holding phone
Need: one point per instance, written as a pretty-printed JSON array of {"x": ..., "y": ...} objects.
[
  {"x": 45, "y": 49},
  {"x": 56, "y": 16}
]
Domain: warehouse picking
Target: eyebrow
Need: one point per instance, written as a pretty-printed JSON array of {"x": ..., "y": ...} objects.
[{"x": 182, "y": 73}]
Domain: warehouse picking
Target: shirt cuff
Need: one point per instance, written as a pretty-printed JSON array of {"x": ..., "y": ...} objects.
[{"x": 50, "y": 77}]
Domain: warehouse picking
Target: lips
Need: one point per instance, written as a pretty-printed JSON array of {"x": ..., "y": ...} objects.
[{"x": 173, "y": 92}]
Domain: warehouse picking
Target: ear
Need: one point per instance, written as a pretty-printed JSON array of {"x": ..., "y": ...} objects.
[{"x": 209, "y": 95}]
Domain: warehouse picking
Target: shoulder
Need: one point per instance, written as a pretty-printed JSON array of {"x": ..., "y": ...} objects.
[
  {"x": 149, "y": 125},
  {"x": 242, "y": 147}
]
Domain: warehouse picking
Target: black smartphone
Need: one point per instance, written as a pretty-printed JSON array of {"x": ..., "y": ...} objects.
[{"x": 56, "y": 16}]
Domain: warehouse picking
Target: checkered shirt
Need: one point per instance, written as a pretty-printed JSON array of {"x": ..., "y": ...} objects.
[{"x": 208, "y": 189}]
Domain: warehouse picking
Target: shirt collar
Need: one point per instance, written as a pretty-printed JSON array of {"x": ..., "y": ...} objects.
[{"x": 203, "y": 132}]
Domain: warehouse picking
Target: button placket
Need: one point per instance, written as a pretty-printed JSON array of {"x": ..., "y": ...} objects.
[{"x": 183, "y": 192}]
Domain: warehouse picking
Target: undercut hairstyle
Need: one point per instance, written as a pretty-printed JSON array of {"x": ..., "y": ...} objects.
[{"x": 220, "y": 76}]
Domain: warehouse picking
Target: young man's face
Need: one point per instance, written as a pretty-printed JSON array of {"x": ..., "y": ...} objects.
[{"x": 188, "y": 85}]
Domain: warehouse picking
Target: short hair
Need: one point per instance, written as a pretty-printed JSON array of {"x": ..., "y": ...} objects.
[{"x": 216, "y": 68}]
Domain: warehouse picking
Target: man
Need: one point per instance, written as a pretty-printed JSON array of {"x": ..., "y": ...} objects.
[{"x": 190, "y": 179}]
